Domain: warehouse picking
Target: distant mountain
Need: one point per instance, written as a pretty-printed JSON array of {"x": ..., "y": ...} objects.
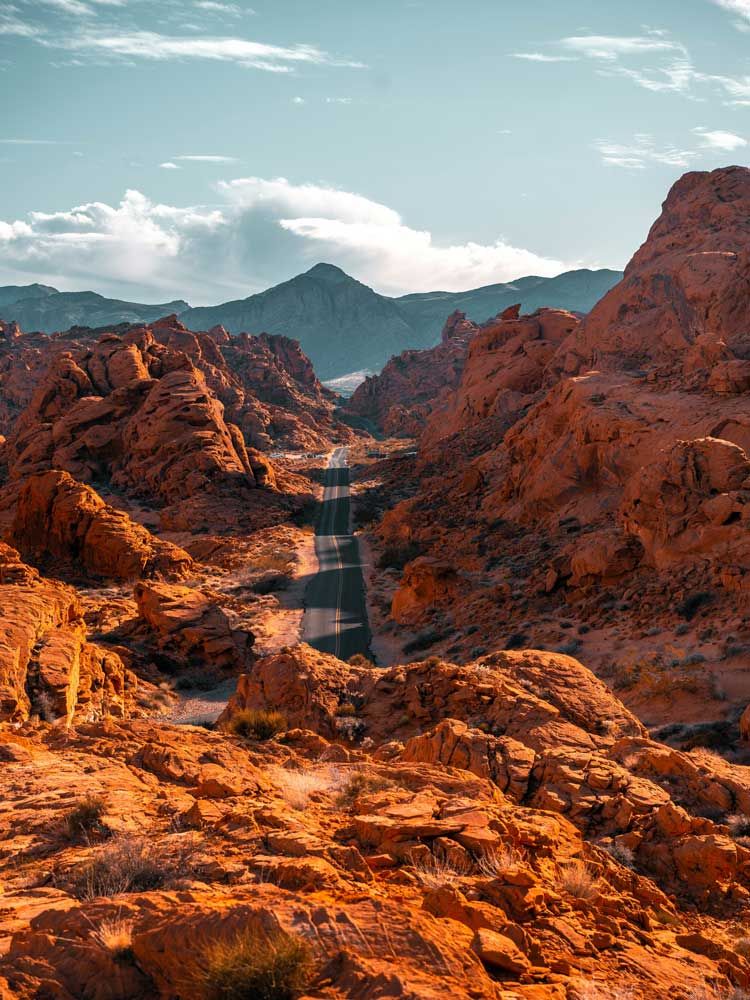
[
  {"x": 578, "y": 291},
  {"x": 12, "y": 293},
  {"x": 341, "y": 324},
  {"x": 39, "y": 307},
  {"x": 344, "y": 326}
]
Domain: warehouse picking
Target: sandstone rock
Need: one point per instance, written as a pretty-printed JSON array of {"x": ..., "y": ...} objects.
[
  {"x": 62, "y": 524},
  {"x": 191, "y": 628}
]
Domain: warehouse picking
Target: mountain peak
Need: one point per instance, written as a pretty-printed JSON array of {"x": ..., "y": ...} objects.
[{"x": 327, "y": 272}]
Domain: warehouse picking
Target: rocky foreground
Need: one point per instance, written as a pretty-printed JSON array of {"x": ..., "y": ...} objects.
[{"x": 500, "y": 829}]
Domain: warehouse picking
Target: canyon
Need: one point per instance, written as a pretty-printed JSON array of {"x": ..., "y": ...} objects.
[{"x": 534, "y": 784}]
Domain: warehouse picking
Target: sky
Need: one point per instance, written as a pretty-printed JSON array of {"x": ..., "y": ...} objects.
[{"x": 207, "y": 149}]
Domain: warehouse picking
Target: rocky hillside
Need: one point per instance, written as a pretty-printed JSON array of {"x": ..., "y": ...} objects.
[
  {"x": 602, "y": 510},
  {"x": 342, "y": 325},
  {"x": 399, "y": 399}
]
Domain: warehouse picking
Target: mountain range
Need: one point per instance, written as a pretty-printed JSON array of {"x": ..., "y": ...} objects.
[{"x": 341, "y": 323}]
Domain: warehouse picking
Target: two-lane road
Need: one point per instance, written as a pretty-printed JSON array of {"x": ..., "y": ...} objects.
[{"x": 335, "y": 610}]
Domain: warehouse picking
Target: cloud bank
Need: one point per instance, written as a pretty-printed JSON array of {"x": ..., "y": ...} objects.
[{"x": 262, "y": 232}]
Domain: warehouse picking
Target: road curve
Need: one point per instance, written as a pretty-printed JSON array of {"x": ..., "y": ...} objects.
[{"x": 335, "y": 611}]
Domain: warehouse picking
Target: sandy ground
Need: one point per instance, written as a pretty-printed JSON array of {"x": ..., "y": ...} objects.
[{"x": 280, "y": 626}]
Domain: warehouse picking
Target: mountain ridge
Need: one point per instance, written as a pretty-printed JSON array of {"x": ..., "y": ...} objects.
[{"x": 340, "y": 322}]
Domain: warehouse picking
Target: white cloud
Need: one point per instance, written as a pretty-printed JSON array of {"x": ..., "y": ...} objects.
[
  {"x": 654, "y": 61},
  {"x": 207, "y": 158},
  {"x": 718, "y": 139},
  {"x": 739, "y": 7},
  {"x": 214, "y": 7},
  {"x": 12, "y": 24},
  {"x": 168, "y": 165},
  {"x": 611, "y": 47},
  {"x": 154, "y": 46},
  {"x": 265, "y": 231},
  {"x": 338, "y": 100},
  {"x": 542, "y": 57},
  {"x": 298, "y": 100},
  {"x": 641, "y": 152}
]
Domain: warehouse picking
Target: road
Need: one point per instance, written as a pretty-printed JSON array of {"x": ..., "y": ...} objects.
[{"x": 335, "y": 611}]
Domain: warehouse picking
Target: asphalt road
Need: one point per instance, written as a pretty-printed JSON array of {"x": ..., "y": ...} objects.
[{"x": 335, "y": 610}]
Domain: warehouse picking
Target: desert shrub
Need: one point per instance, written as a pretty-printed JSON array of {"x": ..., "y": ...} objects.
[
  {"x": 359, "y": 660},
  {"x": 739, "y": 825},
  {"x": 435, "y": 874},
  {"x": 425, "y": 639},
  {"x": 361, "y": 783},
  {"x": 254, "y": 966},
  {"x": 621, "y": 853},
  {"x": 494, "y": 864},
  {"x": 278, "y": 562},
  {"x": 690, "y": 605},
  {"x": 257, "y": 723},
  {"x": 578, "y": 881},
  {"x": 396, "y": 556},
  {"x": 85, "y": 818},
  {"x": 742, "y": 947},
  {"x": 297, "y": 787},
  {"x": 130, "y": 864},
  {"x": 116, "y": 938}
]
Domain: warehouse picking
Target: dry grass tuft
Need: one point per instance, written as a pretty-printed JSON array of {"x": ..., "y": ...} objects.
[
  {"x": 358, "y": 784},
  {"x": 494, "y": 864},
  {"x": 297, "y": 787},
  {"x": 116, "y": 938},
  {"x": 85, "y": 818},
  {"x": 579, "y": 881},
  {"x": 436, "y": 874},
  {"x": 132, "y": 864},
  {"x": 739, "y": 825},
  {"x": 253, "y": 966}
]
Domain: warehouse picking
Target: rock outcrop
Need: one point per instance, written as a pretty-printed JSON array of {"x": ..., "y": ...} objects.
[
  {"x": 400, "y": 398},
  {"x": 47, "y": 666},
  {"x": 64, "y": 526}
]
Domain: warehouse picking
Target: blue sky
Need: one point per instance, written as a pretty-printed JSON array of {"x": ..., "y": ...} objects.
[{"x": 207, "y": 149}]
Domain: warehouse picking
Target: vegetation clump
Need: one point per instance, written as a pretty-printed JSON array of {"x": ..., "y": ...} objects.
[
  {"x": 255, "y": 966},
  {"x": 85, "y": 819},
  {"x": 257, "y": 723}
]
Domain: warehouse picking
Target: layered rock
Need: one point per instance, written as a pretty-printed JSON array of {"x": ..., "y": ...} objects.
[
  {"x": 563, "y": 492},
  {"x": 64, "y": 526},
  {"x": 191, "y": 629},
  {"x": 47, "y": 666},
  {"x": 415, "y": 853}
]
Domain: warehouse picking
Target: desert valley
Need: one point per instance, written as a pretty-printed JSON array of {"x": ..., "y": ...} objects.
[{"x": 440, "y": 690}]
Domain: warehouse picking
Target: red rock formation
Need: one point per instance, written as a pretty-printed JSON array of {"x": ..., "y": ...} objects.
[
  {"x": 64, "y": 526},
  {"x": 190, "y": 628},
  {"x": 401, "y": 397},
  {"x": 561, "y": 497},
  {"x": 684, "y": 290},
  {"x": 46, "y": 664}
]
